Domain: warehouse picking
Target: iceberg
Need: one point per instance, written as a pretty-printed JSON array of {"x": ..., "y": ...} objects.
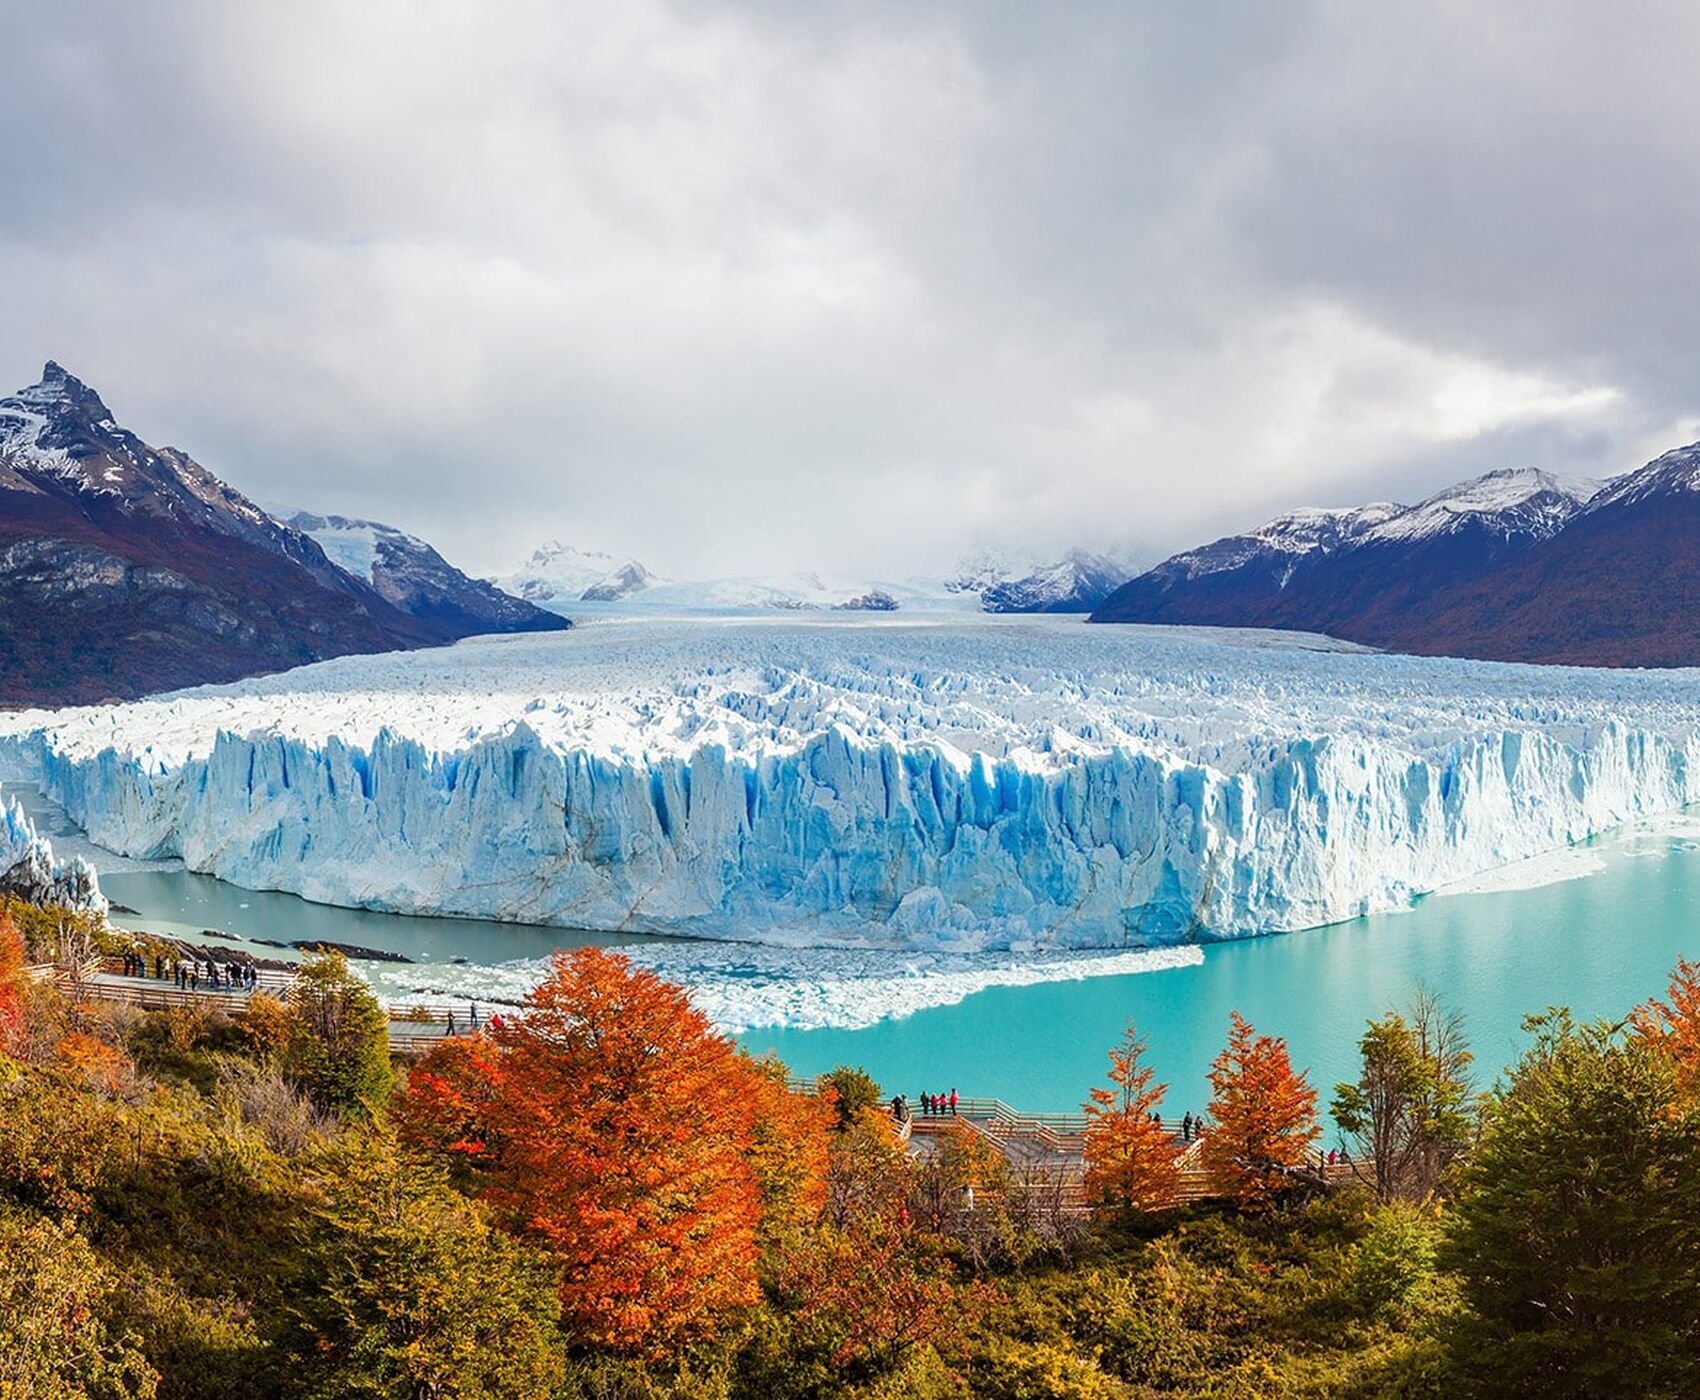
[{"x": 948, "y": 784}]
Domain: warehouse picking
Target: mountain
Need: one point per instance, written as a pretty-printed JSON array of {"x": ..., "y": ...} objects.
[
  {"x": 557, "y": 574},
  {"x": 1619, "y": 585},
  {"x": 412, "y": 576},
  {"x": 126, "y": 569},
  {"x": 1076, "y": 583},
  {"x": 1381, "y": 574}
]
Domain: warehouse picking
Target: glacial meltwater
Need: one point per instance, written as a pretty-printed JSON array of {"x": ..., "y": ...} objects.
[
  {"x": 1595, "y": 928},
  {"x": 1597, "y": 943}
]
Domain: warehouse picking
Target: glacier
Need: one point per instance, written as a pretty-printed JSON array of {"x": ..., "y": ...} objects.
[
  {"x": 28, "y": 867},
  {"x": 950, "y": 784}
]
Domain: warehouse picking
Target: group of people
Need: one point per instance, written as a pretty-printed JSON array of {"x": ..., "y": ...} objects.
[
  {"x": 1191, "y": 1128},
  {"x": 188, "y": 972},
  {"x": 938, "y": 1105}
]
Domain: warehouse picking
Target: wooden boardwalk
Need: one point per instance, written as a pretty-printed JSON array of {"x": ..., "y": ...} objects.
[{"x": 413, "y": 1028}]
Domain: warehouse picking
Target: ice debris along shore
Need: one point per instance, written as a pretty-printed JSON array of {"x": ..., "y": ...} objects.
[
  {"x": 28, "y": 867},
  {"x": 743, "y": 987},
  {"x": 951, "y": 785}
]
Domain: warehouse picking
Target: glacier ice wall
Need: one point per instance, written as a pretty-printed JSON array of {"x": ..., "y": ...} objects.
[
  {"x": 959, "y": 785},
  {"x": 28, "y": 867}
]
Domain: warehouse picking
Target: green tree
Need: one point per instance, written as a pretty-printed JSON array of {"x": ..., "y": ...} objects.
[
  {"x": 419, "y": 1298},
  {"x": 1576, "y": 1241},
  {"x": 340, "y": 1047},
  {"x": 1409, "y": 1114},
  {"x": 854, "y": 1089}
]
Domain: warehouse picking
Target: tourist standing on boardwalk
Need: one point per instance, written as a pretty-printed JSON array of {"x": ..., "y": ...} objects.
[{"x": 953, "y": 1103}]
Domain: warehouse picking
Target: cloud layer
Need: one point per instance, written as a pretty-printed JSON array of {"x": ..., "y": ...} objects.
[{"x": 748, "y": 287}]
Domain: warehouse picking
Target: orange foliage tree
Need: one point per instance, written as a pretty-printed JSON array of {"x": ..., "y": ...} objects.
[
  {"x": 1673, "y": 1026},
  {"x": 870, "y": 1295},
  {"x": 1132, "y": 1161},
  {"x": 92, "y": 1062},
  {"x": 12, "y": 980},
  {"x": 1263, "y": 1117},
  {"x": 790, "y": 1150},
  {"x": 613, "y": 1124}
]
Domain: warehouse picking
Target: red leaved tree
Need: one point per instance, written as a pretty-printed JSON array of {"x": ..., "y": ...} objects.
[
  {"x": 1674, "y": 1026},
  {"x": 1132, "y": 1161},
  {"x": 1263, "y": 1118},
  {"x": 612, "y": 1123},
  {"x": 12, "y": 985}
]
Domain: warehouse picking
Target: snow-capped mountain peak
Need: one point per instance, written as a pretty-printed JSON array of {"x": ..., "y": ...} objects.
[
  {"x": 1515, "y": 500},
  {"x": 1077, "y": 582},
  {"x": 1282, "y": 541},
  {"x": 1676, "y": 472},
  {"x": 558, "y": 573}
]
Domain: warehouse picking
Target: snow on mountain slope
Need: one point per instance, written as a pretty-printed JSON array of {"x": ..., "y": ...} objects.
[
  {"x": 960, "y": 784},
  {"x": 1285, "y": 539},
  {"x": 409, "y": 574},
  {"x": 558, "y": 574},
  {"x": 1519, "y": 500},
  {"x": 1076, "y": 583},
  {"x": 1676, "y": 472}
]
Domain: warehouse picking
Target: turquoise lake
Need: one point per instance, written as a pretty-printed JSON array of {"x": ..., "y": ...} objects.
[{"x": 1598, "y": 943}]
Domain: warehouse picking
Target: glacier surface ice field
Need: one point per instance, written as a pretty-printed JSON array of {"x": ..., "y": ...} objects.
[{"x": 949, "y": 785}]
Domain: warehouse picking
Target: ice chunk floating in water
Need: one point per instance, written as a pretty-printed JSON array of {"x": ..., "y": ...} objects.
[{"x": 949, "y": 785}]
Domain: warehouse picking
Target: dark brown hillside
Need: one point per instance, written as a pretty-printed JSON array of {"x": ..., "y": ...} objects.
[{"x": 126, "y": 569}]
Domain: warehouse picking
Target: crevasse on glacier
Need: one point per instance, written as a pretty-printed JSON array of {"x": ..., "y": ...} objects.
[{"x": 1028, "y": 788}]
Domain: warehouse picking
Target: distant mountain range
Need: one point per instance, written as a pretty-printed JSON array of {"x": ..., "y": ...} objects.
[
  {"x": 557, "y": 574},
  {"x": 560, "y": 576},
  {"x": 127, "y": 569},
  {"x": 1517, "y": 565}
]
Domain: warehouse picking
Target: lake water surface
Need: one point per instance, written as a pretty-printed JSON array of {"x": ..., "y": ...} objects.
[{"x": 1599, "y": 943}]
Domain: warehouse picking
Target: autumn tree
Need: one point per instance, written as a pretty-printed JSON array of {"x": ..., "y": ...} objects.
[
  {"x": 614, "y": 1125},
  {"x": 1263, "y": 1118},
  {"x": 790, "y": 1148},
  {"x": 1409, "y": 1113},
  {"x": 340, "y": 1047},
  {"x": 1673, "y": 1027},
  {"x": 867, "y": 1298},
  {"x": 868, "y": 1172},
  {"x": 1132, "y": 1161},
  {"x": 447, "y": 1106},
  {"x": 13, "y": 984}
]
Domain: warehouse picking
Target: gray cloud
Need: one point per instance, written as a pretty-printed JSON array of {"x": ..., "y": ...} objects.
[{"x": 753, "y": 286}]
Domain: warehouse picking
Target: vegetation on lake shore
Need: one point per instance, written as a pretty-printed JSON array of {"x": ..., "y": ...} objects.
[{"x": 604, "y": 1198}]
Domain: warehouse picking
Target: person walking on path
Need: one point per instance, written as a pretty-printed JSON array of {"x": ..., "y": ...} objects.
[
  {"x": 451, "y": 1030},
  {"x": 953, "y": 1103}
]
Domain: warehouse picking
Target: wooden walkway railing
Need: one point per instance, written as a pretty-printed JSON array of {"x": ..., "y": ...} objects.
[{"x": 413, "y": 1028}]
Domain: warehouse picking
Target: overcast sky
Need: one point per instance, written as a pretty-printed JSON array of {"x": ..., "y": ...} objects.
[{"x": 752, "y": 287}]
